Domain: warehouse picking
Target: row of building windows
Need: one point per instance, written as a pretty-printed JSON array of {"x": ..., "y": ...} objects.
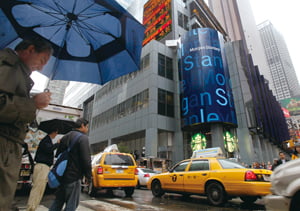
[
  {"x": 129, "y": 106},
  {"x": 135, "y": 103}
]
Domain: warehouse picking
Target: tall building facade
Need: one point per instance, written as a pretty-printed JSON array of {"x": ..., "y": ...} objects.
[
  {"x": 279, "y": 61},
  {"x": 144, "y": 109},
  {"x": 237, "y": 18},
  {"x": 252, "y": 82},
  {"x": 77, "y": 92}
]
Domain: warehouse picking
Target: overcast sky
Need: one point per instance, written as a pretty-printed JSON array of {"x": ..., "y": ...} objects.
[{"x": 285, "y": 17}]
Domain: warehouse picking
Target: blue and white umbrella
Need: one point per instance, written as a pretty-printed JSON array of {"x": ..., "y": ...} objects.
[{"x": 94, "y": 41}]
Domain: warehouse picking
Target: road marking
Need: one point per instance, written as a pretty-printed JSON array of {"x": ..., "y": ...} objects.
[
  {"x": 133, "y": 205},
  {"x": 101, "y": 205}
]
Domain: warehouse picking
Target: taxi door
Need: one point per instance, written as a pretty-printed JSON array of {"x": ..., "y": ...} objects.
[
  {"x": 196, "y": 176},
  {"x": 174, "y": 180}
]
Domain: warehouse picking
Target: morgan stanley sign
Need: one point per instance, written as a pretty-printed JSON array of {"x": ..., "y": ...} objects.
[{"x": 206, "y": 94}]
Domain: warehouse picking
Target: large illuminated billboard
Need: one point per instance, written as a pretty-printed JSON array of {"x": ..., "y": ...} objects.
[
  {"x": 157, "y": 19},
  {"x": 206, "y": 95},
  {"x": 292, "y": 105}
]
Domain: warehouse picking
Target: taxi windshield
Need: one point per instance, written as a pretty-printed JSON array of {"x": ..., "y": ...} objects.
[
  {"x": 118, "y": 159},
  {"x": 228, "y": 164}
]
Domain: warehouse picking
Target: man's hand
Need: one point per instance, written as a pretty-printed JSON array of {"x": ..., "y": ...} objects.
[{"x": 42, "y": 100}]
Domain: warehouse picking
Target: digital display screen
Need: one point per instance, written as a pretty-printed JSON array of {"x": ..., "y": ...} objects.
[
  {"x": 157, "y": 19},
  {"x": 292, "y": 105},
  {"x": 205, "y": 85}
]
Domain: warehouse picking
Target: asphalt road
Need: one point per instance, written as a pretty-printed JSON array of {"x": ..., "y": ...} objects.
[{"x": 141, "y": 200}]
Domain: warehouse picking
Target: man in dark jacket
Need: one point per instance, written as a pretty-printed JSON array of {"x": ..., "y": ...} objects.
[
  {"x": 17, "y": 109},
  {"x": 281, "y": 159},
  {"x": 79, "y": 165},
  {"x": 44, "y": 160}
]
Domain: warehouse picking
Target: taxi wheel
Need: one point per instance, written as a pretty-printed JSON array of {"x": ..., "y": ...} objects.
[
  {"x": 129, "y": 191},
  {"x": 156, "y": 189},
  {"x": 215, "y": 193},
  {"x": 248, "y": 199}
]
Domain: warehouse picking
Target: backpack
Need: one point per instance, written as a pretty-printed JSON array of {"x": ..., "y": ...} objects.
[{"x": 56, "y": 173}]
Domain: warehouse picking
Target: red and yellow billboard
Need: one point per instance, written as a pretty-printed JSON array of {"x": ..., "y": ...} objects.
[
  {"x": 292, "y": 105},
  {"x": 157, "y": 19}
]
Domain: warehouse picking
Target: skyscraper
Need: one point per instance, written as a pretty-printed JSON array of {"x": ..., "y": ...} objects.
[
  {"x": 237, "y": 19},
  {"x": 279, "y": 61}
]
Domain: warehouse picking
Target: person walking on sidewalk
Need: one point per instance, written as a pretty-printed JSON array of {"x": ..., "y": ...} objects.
[
  {"x": 17, "y": 108},
  {"x": 44, "y": 160},
  {"x": 79, "y": 165}
]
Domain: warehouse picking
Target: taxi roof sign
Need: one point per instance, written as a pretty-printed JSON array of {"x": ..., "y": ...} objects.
[
  {"x": 111, "y": 148},
  {"x": 209, "y": 152}
]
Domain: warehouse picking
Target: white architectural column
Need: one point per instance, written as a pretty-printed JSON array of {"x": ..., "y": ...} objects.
[
  {"x": 271, "y": 151},
  {"x": 245, "y": 146},
  {"x": 178, "y": 149},
  {"x": 259, "y": 149},
  {"x": 217, "y": 136},
  {"x": 266, "y": 150},
  {"x": 151, "y": 142},
  {"x": 276, "y": 151}
]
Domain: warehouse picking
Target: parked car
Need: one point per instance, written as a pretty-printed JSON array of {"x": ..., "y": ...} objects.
[
  {"x": 113, "y": 170},
  {"x": 285, "y": 182},
  {"x": 218, "y": 178},
  {"x": 144, "y": 175}
]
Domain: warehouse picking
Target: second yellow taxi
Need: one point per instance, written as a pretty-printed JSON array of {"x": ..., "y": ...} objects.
[
  {"x": 218, "y": 178},
  {"x": 112, "y": 169}
]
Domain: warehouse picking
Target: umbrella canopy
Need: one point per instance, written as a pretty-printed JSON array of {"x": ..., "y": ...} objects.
[
  {"x": 94, "y": 41},
  {"x": 62, "y": 125}
]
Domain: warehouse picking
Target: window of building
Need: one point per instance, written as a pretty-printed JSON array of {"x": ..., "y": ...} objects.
[
  {"x": 183, "y": 21},
  {"x": 133, "y": 104},
  {"x": 165, "y": 103},
  {"x": 165, "y": 66},
  {"x": 145, "y": 61}
]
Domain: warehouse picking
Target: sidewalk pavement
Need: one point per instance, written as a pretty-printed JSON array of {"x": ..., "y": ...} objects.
[
  {"x": 43, "y": 208},
  {"x": 87, "y": 205}
]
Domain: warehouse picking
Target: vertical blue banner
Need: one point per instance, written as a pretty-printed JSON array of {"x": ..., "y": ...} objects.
[{"x": 206, "y": 95}]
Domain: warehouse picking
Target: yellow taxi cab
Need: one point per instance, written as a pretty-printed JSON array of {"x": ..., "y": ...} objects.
[
  {"x": 218, "y": 178},
  {"x": 113, "y": 170}
]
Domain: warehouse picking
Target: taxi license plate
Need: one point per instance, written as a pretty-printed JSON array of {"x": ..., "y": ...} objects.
[
  {"x": 119, "y": 171},
  {"x": 25, "y": 173},
  {"x": 267, "y": 178}
]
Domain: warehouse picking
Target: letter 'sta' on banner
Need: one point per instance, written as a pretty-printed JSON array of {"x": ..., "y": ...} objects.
[{"x": 206, "y": 95}]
